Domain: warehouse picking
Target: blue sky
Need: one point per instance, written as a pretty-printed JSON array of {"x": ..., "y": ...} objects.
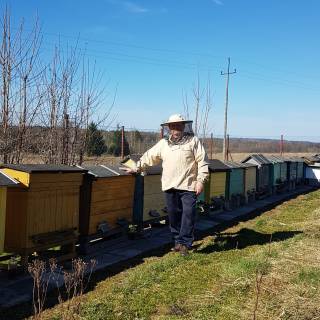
[{"x": 152, "y": 51}]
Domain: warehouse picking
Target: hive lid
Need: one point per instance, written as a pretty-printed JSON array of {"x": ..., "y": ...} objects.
[
  {"x": 275, "y": 159},
  {"x": 297, "y": 159},
  {"x": 258, "y": 157},
  {"x": 238, "y": 165},
  {"x": 105, "y": 171},
  {"x": 216, "y": 165},
  {"x": 36, "y": 168},
  {"x": 6, "y": 181}
]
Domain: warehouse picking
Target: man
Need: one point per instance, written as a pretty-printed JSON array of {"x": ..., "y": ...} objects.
[{"x": 185, "y": 170}]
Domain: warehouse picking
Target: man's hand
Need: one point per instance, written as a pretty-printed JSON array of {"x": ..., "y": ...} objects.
[
  {"x": 199, "y": 187},
  {"x": 128, "y": 170}
]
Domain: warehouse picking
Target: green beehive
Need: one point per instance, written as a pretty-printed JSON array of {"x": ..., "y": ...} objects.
[
  {"x": 236, "y": 184},
  {"x": 300, "y": 170},
  {"x": 278, "y": 173}
]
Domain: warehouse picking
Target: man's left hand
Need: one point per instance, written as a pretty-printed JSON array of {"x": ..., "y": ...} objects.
[{"x": 199, "y": 187}]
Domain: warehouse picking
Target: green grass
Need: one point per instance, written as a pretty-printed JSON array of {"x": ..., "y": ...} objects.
[{"x": 218, "y": 280}]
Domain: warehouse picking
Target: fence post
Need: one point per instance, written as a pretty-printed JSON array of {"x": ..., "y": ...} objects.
[
  {"x": 122, "y": 142},
  {"x": 161, "y": 133}
]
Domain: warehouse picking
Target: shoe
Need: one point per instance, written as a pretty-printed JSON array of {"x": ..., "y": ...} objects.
[
  {"x": 176, "y": 248},
  {"x": 184, "y": 250}
]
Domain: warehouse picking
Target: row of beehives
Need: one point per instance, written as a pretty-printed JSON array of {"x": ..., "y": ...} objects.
[
  {"x": 233, "y": 184},
  {"x": 42, "y": 206}
]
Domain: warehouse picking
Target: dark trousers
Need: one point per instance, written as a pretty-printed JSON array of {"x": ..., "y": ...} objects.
[{"x": 181, "y": 207}]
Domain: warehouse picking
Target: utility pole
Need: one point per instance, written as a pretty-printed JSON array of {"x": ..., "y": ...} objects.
[{"x": 225, "y": 156}]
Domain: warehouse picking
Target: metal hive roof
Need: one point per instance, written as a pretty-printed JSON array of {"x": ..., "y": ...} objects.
[
  {"x": 102, "y": 171},
  {"x": 275, "y": 159},
  {"x": 258, "y": 157},
  {"x": 6, "y": 181},
  {"x": 216, "y": 165},
  {"x": 31, "y": 168},
  {"x": 237, "y": 165}
]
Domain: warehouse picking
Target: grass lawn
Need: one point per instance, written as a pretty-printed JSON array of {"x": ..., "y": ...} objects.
[{"x": 267, "y": 268}]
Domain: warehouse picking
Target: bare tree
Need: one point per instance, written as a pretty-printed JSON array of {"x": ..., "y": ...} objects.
[
  {"x": 199, "y": 109},
  {"x": 19, "y": 55},
  {"x": 46, "y": 107}
]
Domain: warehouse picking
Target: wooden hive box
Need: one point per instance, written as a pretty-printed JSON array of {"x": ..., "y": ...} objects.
[
  {"x": 236, "y": 181},
  {"x": 149, "y": 198},
  {"x": 216, "y": 186},
  {"x": 264, "y": 183},
  {"x": 250, "y": 180},
  {"x": 277, "y": 173},
  {"x": 106, "y": 203},
  {"x": 300, "y": 169},
  {"x": 5, "y": 183},
  {"x": 44, "y": 210}
]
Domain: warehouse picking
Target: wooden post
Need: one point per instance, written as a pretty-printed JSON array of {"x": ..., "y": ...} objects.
[
  {"x": 122, "y": 142},
  {"x": 281, "y": 146},
  {"x": 161, "y": 133},
  {"x": 228, "y": 148},
  {"x": 211, "y": 146}
]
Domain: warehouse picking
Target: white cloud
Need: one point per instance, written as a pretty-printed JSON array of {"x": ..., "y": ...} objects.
[
  {"x": 129, "y": 6},
  {"x": 217, "y": 2},
  {"x": 133, "y": 7}
]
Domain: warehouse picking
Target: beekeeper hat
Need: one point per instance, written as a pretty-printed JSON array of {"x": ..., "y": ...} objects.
[{"x": 176, "y": 118}]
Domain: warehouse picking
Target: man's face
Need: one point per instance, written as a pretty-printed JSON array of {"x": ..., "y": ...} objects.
[{"x": 176, "y": 130}]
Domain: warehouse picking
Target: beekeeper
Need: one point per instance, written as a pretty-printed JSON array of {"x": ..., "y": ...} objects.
[{"x": 185, "y": 170}]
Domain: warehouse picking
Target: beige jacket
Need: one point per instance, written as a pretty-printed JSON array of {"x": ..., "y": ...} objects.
[{"x": 183, "y": 165}]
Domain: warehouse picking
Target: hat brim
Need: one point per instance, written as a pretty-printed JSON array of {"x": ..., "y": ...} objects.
[{"x": 170, "y": 122}]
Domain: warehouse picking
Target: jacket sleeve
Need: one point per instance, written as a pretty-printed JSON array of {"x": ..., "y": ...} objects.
[
  {"x": 202, "y": 161},
  {"x": 151, "y": 157}
]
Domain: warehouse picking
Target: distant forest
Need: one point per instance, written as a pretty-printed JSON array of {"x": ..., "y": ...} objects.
[{"x": 140, "y": 141}]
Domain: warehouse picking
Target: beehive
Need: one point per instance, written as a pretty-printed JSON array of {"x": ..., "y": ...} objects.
[
  {"x": 107, "y": 196},
  {"x": 216, "y": 186},
  {"x": 44, "y": 209},
  {"x": 149, "y": 197},
  {"x": 236, "y": 182},
  {"x": 264, "y": 183},
  {"x": 300, "y": 169},
  {"x": 278, "y": 173},
  {"x": 5, "y": 183},
  {"x": 250, "y": 180}
]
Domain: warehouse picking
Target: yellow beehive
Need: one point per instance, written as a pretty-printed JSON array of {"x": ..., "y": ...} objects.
[
  {"x": 5, "y": 183},
  {"x": 149, "y": 198},
  {"x": 106, "y": 199},
  {"x": 45, "y": 203},
  {"x": 250, "y": 184},
  {"x": 217, "y": 184},
  {"x": 154, "y": 200}
]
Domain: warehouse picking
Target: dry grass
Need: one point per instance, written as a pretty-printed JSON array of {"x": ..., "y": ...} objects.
[{"x": 218, "y": 280}]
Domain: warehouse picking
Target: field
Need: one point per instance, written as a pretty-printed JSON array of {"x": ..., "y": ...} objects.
[
  {"x": 266, "y": 268},
  {"x": 111, "y": 160}
]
